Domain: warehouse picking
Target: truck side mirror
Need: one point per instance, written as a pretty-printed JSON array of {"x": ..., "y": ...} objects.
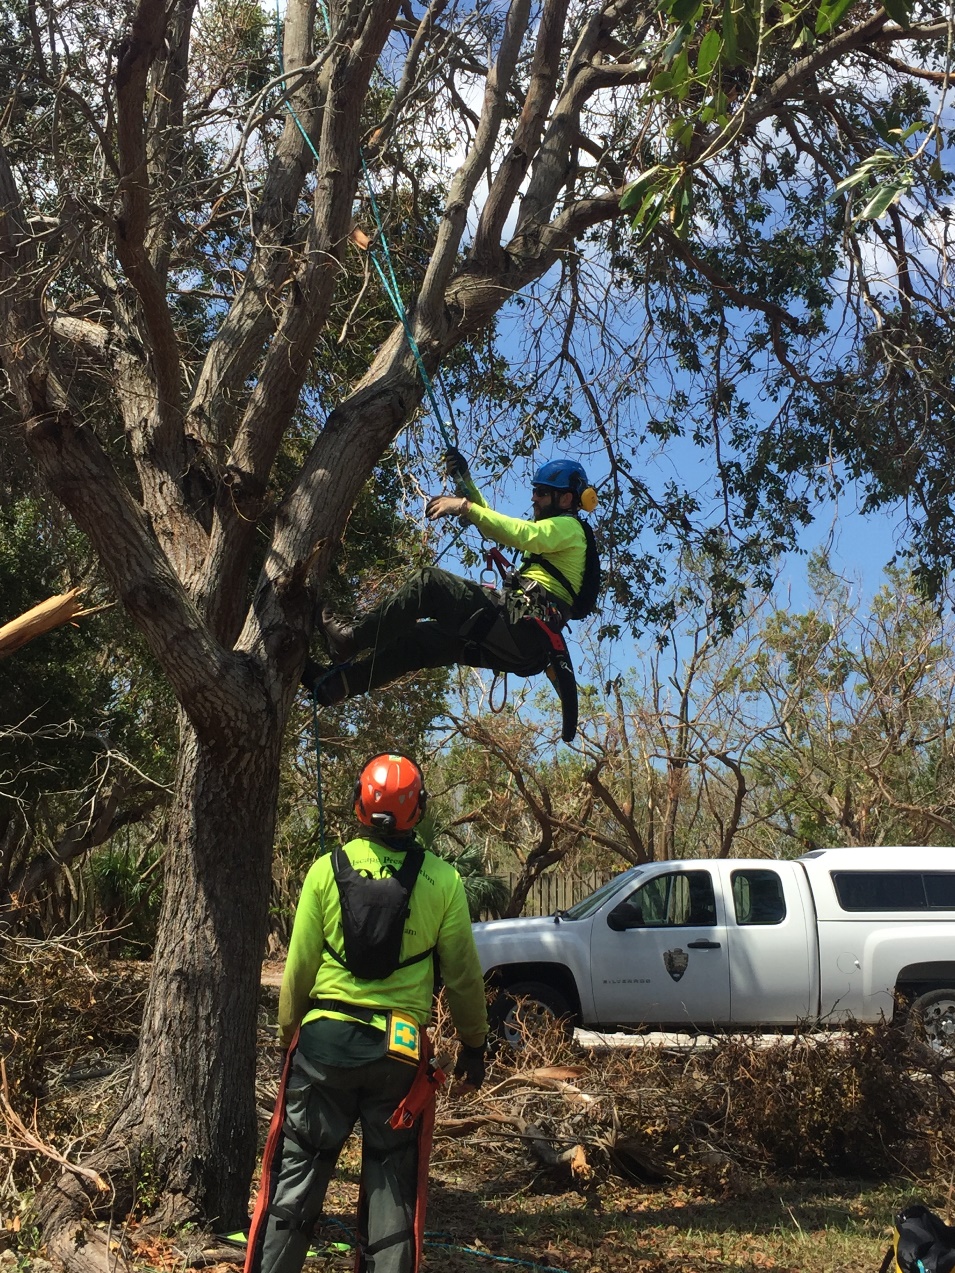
[{"x": 625, "y": 916}]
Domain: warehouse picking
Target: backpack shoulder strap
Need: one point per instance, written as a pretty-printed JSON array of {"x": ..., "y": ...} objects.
[
  {"x": 407, "y": 873},
  {"x": 407, "y": 876},
  {"x": 554, "y": 571}
]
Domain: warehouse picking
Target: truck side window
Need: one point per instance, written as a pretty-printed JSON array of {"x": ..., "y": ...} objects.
[
  {"x": 678, "y": 899},
  {"x": 880, "y": 890},
  {"x": 758, "y": 897}
]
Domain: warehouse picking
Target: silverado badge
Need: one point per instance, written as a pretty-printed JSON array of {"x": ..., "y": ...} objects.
[{"x": 676, "y": 962}]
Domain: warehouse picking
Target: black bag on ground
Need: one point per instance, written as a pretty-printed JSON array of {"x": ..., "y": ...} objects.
[
  {"x": 923, "y": 1243},
  {"x": 373, "y": 916}
]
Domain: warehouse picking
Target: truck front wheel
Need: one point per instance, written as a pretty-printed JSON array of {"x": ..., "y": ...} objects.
[
  {"x": 931, "y": 1023},
  {"x": 526, "y": 1008}
]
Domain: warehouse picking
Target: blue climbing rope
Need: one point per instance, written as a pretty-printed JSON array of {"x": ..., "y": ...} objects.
[
  {"x": 320, "y": 799},
  {"x": 486, "y": 1255},
  {"x": 389, "y": 282}
]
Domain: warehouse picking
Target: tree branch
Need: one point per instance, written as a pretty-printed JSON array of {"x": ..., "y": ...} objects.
[
  {"x": 430, "y": 306},
  {"x": 543, "y": 83},
  {"x": 136, "y": 56}
]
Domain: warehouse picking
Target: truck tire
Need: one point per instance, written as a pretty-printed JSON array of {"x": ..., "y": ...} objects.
[
  {"x": 541, "y": 1006},
  {"x": 931, "y": 1023}
]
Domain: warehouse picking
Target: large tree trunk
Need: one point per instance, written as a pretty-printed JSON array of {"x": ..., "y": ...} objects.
[
  {"x": 192, "y": 1104},
  {"x": 189, "y": 1110}
]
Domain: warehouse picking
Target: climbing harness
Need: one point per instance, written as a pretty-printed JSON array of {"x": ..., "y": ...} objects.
[{"x": 560, "y": 668}]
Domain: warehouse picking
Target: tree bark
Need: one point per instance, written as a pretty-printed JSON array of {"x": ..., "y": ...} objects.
[{"x": 190, "y": 1102}]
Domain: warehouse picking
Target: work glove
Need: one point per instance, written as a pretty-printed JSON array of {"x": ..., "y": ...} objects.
[
  {"x": 445, "y": 506},
  {"x": 470, "y": 1068},
  {"x": 455, "y": 465}
]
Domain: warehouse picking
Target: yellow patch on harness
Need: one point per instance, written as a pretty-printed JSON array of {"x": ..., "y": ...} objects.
[{"x": 404, "y": 1038}]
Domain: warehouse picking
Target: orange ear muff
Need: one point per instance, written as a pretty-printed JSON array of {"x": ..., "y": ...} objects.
[{"x": 588, "y": 499}]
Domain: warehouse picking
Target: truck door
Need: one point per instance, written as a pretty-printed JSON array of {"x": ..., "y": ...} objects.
[
  {"x": 773, "y": 974},
  {"x": 659, "y": 956}
]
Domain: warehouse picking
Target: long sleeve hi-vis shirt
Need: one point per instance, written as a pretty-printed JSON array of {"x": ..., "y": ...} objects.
[
  {"x": 438, "y": 919},
  {"x": 560, "y": 539}
]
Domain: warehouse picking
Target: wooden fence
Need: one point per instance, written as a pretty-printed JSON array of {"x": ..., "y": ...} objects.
[{"x": 556, "y": 892}]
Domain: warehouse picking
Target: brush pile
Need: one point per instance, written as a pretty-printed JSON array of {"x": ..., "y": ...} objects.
[{"x": 721, "y": 1115}]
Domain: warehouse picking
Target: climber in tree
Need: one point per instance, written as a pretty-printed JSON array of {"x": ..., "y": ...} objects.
[{"x": 439, "y": 618}]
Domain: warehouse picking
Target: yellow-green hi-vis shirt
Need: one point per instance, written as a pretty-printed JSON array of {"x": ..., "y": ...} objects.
[
  {"x": 438, "y": 918},
  {"x": 560, "y": 539}
]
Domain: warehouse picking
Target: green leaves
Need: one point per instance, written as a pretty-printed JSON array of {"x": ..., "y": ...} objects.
[
  {"x": 831, "y": 13},
  {"x": 884, "y": 196},
  {"x": 730, "y": 44},
  {"x": 708, "y": 53},
  {"x": 899, "y": 11},
  {"x": 887, "y": 173},
  {"x": 865, "y": 171},
  {"x": 664, "y": 188},
  {"x": 648, "y": 197},
  {"x": 686, "y": 12}
]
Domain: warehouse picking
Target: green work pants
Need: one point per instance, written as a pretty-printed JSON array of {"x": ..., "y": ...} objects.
[
  {"x": 323, "y": 1104},
  {"x": 438, "y": 619}
]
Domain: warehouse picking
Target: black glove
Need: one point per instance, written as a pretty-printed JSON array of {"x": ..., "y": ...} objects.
[
  {"x": 470, "y": 1065},
  {"x": 455, "y": 465}
]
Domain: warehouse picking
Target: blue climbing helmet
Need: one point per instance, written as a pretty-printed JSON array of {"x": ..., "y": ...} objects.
[{"x": 567, "y": 475}]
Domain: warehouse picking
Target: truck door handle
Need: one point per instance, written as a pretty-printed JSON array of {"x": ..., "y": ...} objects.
[{"x": 703, "y": 945}]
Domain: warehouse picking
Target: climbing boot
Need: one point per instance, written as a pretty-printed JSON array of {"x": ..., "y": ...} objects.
[
  {"x": 327, "y": 685},
  {"x": 340, "y": 636}
]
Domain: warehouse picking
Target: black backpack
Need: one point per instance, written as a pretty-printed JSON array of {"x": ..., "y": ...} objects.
[
  {"x": 373, "y": 916},
  {"x": 923, "y": 1243},
  {"x": 586, "y": 596}
]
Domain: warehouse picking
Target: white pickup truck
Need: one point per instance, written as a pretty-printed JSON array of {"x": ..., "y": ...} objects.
[{"x": 741, "y": 944}]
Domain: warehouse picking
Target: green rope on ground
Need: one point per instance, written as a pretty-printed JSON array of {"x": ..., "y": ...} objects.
[{"x": 447, "y": 1242}]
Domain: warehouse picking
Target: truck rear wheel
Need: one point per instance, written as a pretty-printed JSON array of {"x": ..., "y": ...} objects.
[
  {"x": 527, "y": 1007},
  {"x": 931, "y": 1023}
]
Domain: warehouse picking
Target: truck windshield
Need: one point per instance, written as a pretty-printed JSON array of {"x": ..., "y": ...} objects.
[{"x": 581, "y": 909}]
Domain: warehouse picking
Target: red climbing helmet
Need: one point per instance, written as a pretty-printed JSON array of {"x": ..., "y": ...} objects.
[{"x": 390, "y": 794}]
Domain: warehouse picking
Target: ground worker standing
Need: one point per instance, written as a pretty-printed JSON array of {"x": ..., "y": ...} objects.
[
  {"x": 373, "y": 920},
  {"x": 439, "y": 618}
]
